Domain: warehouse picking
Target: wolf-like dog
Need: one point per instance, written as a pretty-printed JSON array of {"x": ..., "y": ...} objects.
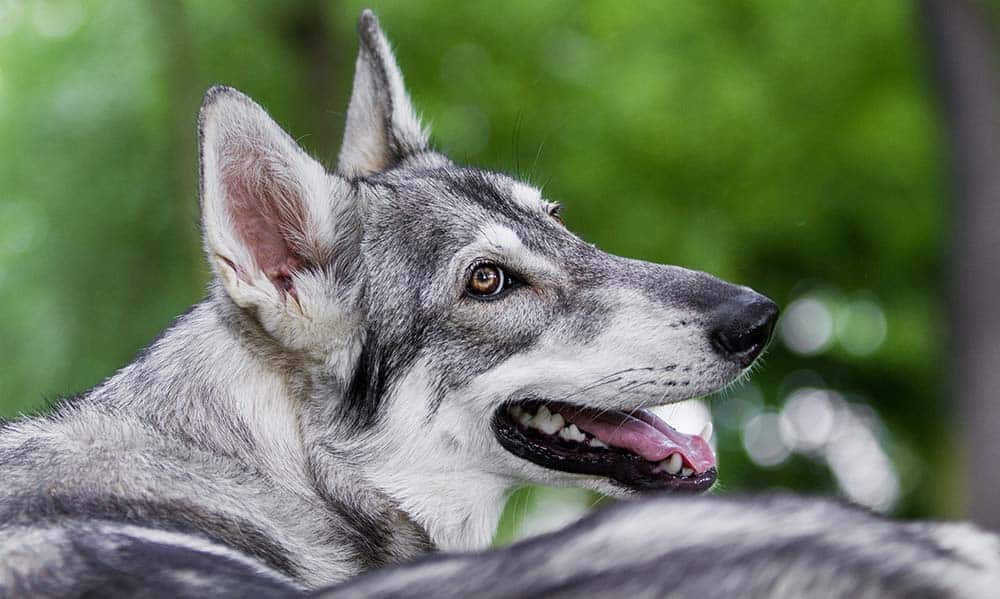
[{"x": 386, "y": 351}]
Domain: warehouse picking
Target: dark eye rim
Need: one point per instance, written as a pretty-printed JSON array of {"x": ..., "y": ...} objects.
[
  {"x": 555, "y": 211},
  {"x": 509, "y": 281}
]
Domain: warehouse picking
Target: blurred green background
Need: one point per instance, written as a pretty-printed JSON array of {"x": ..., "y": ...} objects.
[{"x": 793, "y": 147}]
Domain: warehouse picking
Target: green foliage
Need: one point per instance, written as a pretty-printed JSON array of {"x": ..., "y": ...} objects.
[{"x": 792, "y": 147}]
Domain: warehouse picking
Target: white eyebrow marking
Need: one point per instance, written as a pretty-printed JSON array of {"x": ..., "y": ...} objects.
[
  {"x": 503, "y": 242},
  {"x": 500, "y": 237},
  {"x": 527, "y": 196}
]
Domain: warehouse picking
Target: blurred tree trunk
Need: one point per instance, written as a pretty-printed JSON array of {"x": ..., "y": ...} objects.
[
  {"x": 965, "y": 59},
  {"x": 326, "y": 58}
]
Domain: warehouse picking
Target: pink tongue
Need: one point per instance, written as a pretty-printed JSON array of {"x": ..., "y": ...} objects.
[{"x": 645, "y": 434}]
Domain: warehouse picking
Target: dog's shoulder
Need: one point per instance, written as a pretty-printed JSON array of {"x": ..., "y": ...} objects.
[{"x": 82, "y": 469}]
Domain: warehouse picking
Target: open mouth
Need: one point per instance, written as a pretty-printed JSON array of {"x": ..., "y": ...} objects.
[{"x": 634, "y": 449}]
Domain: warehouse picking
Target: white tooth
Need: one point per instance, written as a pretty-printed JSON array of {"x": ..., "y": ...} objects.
[
  {"x": 686, "y": 472},
  {"x": 571, "y": 433},
  {"x": 547, "y": 422},
  {"x": 541, "y": 419},
  {"x": 516, "y": 411},
  {"x": 597, "y": 443},
  {"x": 558, "y": 421},
  {"x": 706, "y": 433},
  {"x": 549, "y": 428},
  {"x": 525, "y": 418},
  {"x": 673, "y": 463}
]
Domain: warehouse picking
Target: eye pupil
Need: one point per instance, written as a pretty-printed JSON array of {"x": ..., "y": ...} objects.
[{"x": 486, "y": 279}]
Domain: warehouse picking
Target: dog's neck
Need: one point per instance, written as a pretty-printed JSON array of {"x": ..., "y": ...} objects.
[
  {"x": 395, "y": 477},
  {"x": 415, "y": 466},
  {"x": 426, "y": 468},
  {"x": 389, "y": 465},
  {"x": 456, "y": 504}
]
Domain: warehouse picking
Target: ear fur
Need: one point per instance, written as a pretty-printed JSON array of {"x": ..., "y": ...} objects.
[
  {"x": 267, "y": 207},
  {"x": 382, "y": 127}
]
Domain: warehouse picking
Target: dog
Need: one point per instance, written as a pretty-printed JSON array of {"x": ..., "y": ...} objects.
[{"x": 385, "y": 352}]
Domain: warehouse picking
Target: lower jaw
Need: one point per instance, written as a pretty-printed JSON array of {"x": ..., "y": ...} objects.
[{"x": 620, "y": 467}]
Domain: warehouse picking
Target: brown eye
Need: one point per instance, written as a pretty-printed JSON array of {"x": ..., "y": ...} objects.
[{"x": 486, "y": 280}]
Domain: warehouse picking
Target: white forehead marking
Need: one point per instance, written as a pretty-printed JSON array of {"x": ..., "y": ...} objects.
[
  {"x": 500, "y": 237},
  {"x": 527, "y": 196}
]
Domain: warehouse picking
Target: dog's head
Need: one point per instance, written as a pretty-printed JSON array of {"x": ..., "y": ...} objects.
[{"x": 449, "y": 310}]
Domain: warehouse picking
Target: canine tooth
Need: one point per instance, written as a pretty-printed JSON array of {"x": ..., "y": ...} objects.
[
  {"x": 525, "y": 418},
  {"x": 598, "y": 443},
  {"x": 706, "y": 433},
  {"x": 672, "y": 464},
  {"x": 686, "y": 472}
]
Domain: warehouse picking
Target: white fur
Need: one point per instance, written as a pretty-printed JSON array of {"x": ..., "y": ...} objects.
[
  {"x": 527, "y": 196},
  {"x": 436, "y": 471}
]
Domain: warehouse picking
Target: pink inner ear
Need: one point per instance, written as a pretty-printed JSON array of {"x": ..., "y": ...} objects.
[{"x": 268, "y": 216}]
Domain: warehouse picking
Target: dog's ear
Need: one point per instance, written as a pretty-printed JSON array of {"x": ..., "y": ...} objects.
[
  {"x": 382, "y": 127},
  {"x": 268, "y": 209}
]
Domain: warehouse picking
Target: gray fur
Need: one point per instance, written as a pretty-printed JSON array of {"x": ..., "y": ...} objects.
[
  {"x": 714, "y": 547},
  {"x": 327, "y": 409}
]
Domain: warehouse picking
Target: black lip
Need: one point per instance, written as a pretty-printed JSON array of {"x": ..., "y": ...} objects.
[{"x": 621, "y": 467}]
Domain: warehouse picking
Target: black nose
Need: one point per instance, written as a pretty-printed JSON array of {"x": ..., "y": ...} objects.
[{"x": 743, "y": 326}]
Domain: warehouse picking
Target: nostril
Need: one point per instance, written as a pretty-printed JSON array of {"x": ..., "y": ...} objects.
[{"x": 743, "y": 330}]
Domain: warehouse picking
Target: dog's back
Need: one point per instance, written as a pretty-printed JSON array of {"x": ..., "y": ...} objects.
[
  {"x": 775, "y": 546},
  {"x": 767, "y": 547}
]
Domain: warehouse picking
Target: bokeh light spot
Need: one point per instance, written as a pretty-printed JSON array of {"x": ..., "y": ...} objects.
[
  {"x": 861, "y": 326},
  {"x": 807, "y": 419},
  {"x": 862, "y": 469},
  {"x": 807, "y": 327},
  {"x": 763, "y": 442}
]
